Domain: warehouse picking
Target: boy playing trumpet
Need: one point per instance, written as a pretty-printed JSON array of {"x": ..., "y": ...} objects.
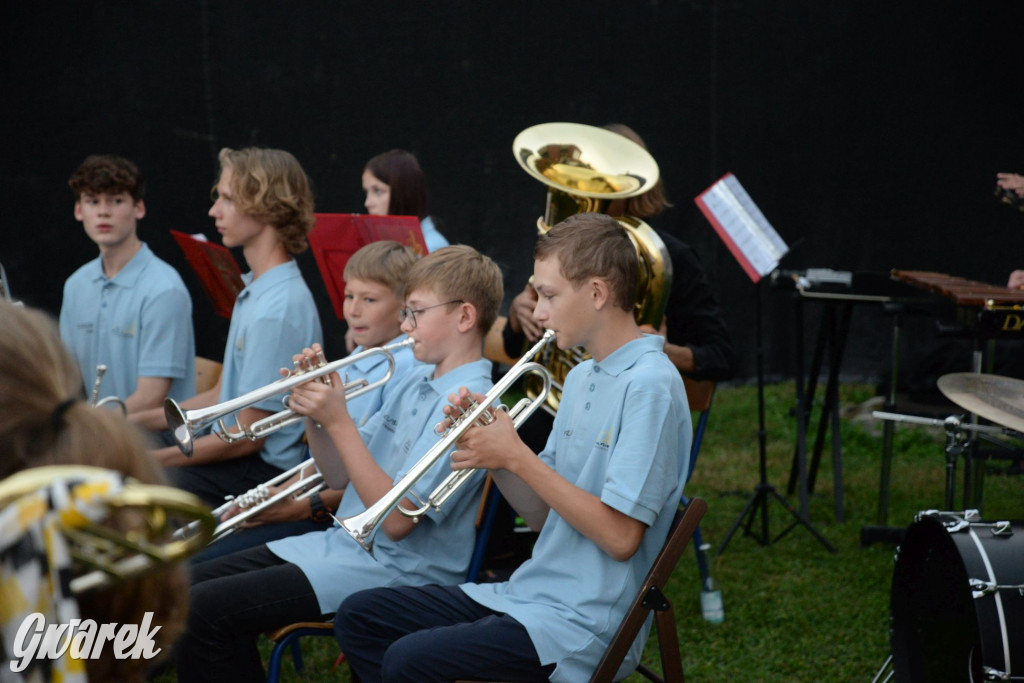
[
  {"x": 374, "y": 286},
  {"x": 452, "y": 298},
  {"x": 603, "y": 492}
]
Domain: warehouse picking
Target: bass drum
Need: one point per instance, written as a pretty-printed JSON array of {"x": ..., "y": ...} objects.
[{"x": 956, "y": 607}]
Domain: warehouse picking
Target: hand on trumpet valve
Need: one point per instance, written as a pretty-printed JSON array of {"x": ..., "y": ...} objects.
[
  {"x": 288, "y": 510},
  {"x": 321, "y": 399},
  {"x": 486, "y": 448}
]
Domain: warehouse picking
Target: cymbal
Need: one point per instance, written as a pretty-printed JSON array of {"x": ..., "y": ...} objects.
[{"x": 993, "y": 397}]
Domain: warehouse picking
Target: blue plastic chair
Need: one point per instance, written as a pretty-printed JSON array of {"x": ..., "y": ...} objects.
[{"x": 287, "y": 637}]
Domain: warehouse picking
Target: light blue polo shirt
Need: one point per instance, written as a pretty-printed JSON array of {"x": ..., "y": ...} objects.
[
  {"x": 362, "y": 407},
  {"x": 138, "y": 324},
  {"x": 431, "y": 235},
  {"x": 623, "y": 433},
  {"x": 274, "y": 318},
  {"x": 439, "y": 548}
]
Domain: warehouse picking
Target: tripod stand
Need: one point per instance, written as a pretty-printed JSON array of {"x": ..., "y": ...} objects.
[{"x": 765, "y": 492}]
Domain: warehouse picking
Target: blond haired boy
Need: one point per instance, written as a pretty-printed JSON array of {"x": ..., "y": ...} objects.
[{"x": 263, "y": 204}]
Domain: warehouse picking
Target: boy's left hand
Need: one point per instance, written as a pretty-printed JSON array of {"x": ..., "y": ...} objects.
[{"x": 324, "y": 404}]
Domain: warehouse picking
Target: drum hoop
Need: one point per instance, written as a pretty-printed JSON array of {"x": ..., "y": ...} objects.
[{"x": 1003, "y": 633}]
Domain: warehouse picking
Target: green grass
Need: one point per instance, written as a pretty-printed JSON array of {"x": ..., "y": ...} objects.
[{"x": 793, "y": 610}]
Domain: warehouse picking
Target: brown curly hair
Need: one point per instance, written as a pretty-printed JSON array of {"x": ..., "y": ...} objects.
[
  {"x": 270, "y": 186},
  {"x": 107, "y": 174}
]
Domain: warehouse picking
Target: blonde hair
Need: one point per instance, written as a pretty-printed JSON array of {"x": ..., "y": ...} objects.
[
  {"x": 270, "y": 186},
  {"x": 386, "y": 262},
  {"x": 460, "y": 272},
  {"x": 37, "y": 376},
  {"x": 594, "y": 245}
]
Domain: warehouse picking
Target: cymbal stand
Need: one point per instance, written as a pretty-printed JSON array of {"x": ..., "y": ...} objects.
[
  {"x": 764, "y": 491},
  {"x": 961, "y": 436}
]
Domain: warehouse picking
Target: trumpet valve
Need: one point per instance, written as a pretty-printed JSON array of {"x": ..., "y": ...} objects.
[{"x": 321, "y": 361}]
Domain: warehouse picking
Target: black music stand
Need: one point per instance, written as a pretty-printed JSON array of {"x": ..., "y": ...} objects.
[{"x": 764, "y": 491}]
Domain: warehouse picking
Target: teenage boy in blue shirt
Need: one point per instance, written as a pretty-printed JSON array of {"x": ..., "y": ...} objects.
[
  {"x": 126, "y": 308},
  {"x": 452, "y": 298},
  {"x": 265, "y": 206},
  {"x": 603, "y": 493}
]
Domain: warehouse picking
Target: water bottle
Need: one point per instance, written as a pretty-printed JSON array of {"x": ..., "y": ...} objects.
[{"x": 711, "y": 606}]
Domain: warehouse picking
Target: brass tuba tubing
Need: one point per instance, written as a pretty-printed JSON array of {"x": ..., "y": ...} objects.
[
  {"x": 364, "y": 526},
  {"x": 184, "y": 424},
  {"x": 109, "y": 554}
]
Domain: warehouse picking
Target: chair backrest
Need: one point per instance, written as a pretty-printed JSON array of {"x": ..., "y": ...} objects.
[
  {"x": 699, "y": 394},
  {"x": 651, "y": 597}
]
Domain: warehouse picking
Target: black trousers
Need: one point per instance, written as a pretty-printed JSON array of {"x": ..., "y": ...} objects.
[
  {"x": 433, "y": 633},
  {"x": 234, "y": 599}
]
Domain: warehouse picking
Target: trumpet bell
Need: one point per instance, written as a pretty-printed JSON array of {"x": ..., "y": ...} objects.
[{"x": 179, "y": 425}]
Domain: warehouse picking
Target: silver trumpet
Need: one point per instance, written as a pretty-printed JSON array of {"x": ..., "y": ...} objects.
[
  {"x": 257, "y": 499},
  {"x": 364, "y": 526},
  {"x": 184, "y": 424},
  {"x": 96, "y": 401}
]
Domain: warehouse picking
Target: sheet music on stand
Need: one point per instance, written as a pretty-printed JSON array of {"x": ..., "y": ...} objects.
[{"x": 742, "y": 227}]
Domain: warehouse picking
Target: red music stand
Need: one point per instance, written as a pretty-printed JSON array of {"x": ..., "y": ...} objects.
[
  {"x": 217, "y": 270},
  {"x": 337, "y": 236}
]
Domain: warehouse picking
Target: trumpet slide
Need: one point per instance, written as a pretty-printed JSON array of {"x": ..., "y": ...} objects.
[
  {"x": 364, "y": 526},
  {"x": 185, "y": 424}
]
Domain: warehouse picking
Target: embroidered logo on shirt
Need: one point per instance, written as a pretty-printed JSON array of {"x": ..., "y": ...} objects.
[
  {"x": 126, "y": 331},
  {"x": 604, "y": 440},
  {"x": 240, "y": 343},
  {"x": 390, "y": 423}
]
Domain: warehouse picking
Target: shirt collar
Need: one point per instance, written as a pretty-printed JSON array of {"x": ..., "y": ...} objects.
[
  {"x": 274, "y": 276},
  {"x": 625, "y": 356},
  {"x": 460, "y": 376},
  {"x": 132, "y": 271}
]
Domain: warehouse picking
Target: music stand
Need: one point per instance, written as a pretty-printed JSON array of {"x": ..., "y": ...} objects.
[{"x": 757, "y": 248}]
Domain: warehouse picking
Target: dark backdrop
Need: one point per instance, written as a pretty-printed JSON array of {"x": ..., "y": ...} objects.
[{"x": 868, "y": 133}]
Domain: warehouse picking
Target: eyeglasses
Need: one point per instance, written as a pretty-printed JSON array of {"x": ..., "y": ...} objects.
[{"x": 410, "y": 314}]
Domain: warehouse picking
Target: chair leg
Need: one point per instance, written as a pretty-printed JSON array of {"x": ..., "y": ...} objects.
[
  {"x": 274, "y": 665},
  {"x": 702, "y": 565},
  {"x": 668, "y": 642},
  {"x": 297, "y": 655}
]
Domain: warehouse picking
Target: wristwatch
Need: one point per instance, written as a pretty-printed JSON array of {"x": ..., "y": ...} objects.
[{"x": 321, "y": 513}]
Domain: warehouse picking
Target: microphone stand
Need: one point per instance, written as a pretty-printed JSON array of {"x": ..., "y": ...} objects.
[{"x": 764, "y": 491}]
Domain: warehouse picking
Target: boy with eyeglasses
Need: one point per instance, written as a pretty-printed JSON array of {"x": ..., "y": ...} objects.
[{"x": 452, "y": 297}]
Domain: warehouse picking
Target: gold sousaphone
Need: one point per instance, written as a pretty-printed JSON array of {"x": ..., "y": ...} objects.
[{"x": 585, "y": 168}]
